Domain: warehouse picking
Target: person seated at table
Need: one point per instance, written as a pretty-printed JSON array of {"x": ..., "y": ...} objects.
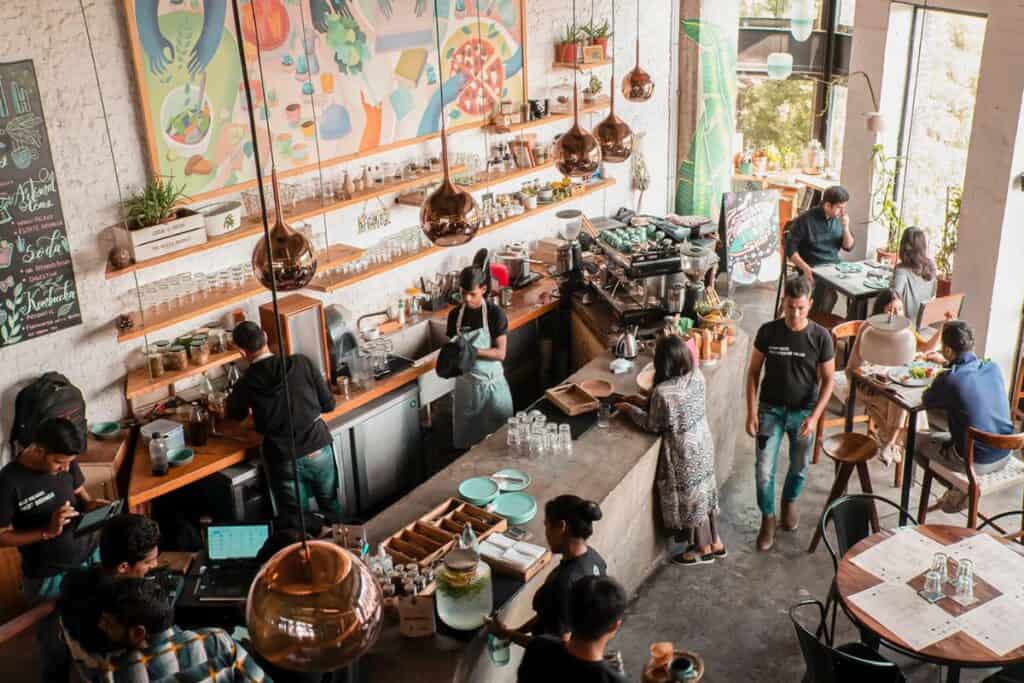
[
  {"x": 260, "y": 392},
  {"x": 129, "y": 546},
  {"x": 685, "y": 480},
  {"x": 971, "y": 393},
  {"x": 815, "y": 238},
  {"x": 568, "y": 523},
  {"x": 914, "y": 278},
  {"x": 888, "y": 425},
  {"x": 596, "y": 606},
  {"x": 139, "y": 621}
]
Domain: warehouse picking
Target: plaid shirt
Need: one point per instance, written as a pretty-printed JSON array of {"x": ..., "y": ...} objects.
[{"x": 208, "y": 655}]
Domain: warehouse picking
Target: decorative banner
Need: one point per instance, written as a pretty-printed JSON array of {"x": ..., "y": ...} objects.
[
  {"x": 37, "y": 280},
  {"x": 341, "y": 78},
  {"x": 750, "y": 230}
]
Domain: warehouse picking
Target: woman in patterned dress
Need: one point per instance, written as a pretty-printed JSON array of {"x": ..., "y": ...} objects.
[{"x": 687, "y": 490}]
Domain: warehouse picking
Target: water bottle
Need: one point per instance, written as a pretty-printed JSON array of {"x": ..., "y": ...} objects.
[{"x": 158, "y": 454}]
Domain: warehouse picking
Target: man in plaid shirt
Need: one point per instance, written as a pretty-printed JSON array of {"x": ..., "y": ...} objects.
[{"x": 140, "y": 619}]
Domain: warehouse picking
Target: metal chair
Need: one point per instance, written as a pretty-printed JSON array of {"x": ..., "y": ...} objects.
[
  {"x": 1016, "y": 535},
  {"x": 972, "y": 484},
  {"x": 851, "y": 453},
  {"x": 849, "y": 663},
  {"x": 854, "y": 518}
]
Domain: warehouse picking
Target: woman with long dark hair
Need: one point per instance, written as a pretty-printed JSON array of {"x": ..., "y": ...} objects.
[
  {"x": 687, "y": 490},
  {"x": 915, "y": 276}
]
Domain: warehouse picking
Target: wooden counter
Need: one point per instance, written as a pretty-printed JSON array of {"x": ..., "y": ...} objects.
[{"x": 220, "y": 453}]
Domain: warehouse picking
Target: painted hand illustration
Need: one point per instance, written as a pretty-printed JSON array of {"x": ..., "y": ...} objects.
[
  {"x": 319, "y": 9},
  {"x": 153, "y": 42},
  {"x": 385, "y": 7},
  {"x": 421, "y": 7},
  {"x": 205, "y": 48}
]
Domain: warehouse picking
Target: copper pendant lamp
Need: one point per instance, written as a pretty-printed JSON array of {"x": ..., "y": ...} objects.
[
  {"x": 614, "y": 135},
  {"x": 637, "y": 86},
  {"x": 449, "y": 216},
  {"x": 577, "y": 152},
  {"x": 290, "y": 255}
]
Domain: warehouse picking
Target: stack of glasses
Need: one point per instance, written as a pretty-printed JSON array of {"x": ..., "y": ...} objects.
[
  {"x": 530, "y": 435},
  {"x": 186, "y": 288}
]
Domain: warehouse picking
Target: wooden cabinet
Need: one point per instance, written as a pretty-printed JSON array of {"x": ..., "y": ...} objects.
[{"x": 585, "y": 345}]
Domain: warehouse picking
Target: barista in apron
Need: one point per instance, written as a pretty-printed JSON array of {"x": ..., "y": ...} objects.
[{"x": 482, "y": 399}]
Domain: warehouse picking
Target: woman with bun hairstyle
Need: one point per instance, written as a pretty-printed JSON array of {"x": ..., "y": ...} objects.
[{"x": 568, "y": 523}]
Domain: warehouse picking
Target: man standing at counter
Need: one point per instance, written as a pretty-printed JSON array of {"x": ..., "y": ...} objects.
[
  {"x": 815, "y": 238},
  {"x": 482, "y": 400},
  {"x": 260, "y": 391},
  {"x": 798, "y": 358}
]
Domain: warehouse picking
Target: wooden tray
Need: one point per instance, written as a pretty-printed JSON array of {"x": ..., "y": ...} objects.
[
  {"x": 572, "y": 399},
  {"x": 429, "y": 538},
  {"x": 516, "y": 572}
]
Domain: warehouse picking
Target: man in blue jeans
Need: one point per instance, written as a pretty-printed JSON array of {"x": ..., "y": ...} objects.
[
  {"x": 309, "y": 442},
  {"x": 798, "y": 360}
]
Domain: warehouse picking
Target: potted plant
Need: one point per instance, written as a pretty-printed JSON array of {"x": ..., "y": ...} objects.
[
  {"x": 569, "y": 49},
  {"x": 598, "y": 34},
  {"x": 948, "y": 242},
  {"x": 594, "y": 86},
  {"x": 157, "y": 225},
  {"x": 884, "y": 209},
  {"x": 154, "y": 204}
]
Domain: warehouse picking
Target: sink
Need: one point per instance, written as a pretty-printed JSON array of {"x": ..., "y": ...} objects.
[{"x": 418, "y": 342}]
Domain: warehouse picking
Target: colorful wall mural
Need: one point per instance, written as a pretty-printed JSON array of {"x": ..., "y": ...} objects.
[{"x": 340, "y": 78}]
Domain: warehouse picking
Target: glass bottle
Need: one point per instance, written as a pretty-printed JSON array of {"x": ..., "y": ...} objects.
[
  {"x": 198, "y": 425},
  {"x": 464, "y": 596},
  {"x": 158, "y": 454}
]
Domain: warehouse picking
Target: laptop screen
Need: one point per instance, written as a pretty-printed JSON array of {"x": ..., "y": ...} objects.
[{"x": 235, "y": 541}]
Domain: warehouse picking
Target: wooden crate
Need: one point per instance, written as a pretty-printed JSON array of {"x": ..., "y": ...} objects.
[
  {"x": 428, "y": 539},
  {"x": 572, "y": 399}
]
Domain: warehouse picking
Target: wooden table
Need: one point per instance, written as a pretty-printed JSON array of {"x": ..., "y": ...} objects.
[
  {"x": 957, "y": 651},
  {"x": 907, "y": 398},
  {"x": 850, "y": 285}
]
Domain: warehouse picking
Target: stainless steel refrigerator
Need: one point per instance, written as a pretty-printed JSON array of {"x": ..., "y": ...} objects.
[{"x": 378, "y": 449}]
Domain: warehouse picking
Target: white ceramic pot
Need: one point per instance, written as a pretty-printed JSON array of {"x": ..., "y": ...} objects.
[{"x": 222, "y": 217}]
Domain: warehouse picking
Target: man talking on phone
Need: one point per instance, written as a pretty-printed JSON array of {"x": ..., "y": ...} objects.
[{"x": 42, "y": 491}]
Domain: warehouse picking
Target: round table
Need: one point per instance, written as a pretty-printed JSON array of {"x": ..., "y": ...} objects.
[{"x": 958, "y": 651}]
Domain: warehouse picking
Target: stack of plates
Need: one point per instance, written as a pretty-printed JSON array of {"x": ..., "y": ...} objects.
[
  {"x": 479, "y": 490},
  {"x": 517, "y": 508}
]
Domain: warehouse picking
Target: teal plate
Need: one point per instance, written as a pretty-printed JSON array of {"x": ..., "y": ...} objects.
[
  {"x": 849, "y": 267},
  {"x": 517, "y": 508},
  {"x": 104, "y": 430},
  {"x": 509, "y": 484},
  {"x": 875, "y": 284},
  {"x": 478, "y": 490},
  {"x": 180, "y": 456}
]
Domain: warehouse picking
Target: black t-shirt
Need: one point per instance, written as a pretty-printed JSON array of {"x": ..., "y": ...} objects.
[
  {"x": 551, "y": 601},
  {"x": 791, "y": 362},
  {"x": 473, "y": 318},
  {"x": 546, "y": 659},
  {"x": 85, "y": 593},
  {"x": 27, "y": 500}
]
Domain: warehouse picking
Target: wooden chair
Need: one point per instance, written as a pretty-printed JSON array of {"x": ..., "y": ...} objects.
[
  {"x": 1017, "y": 399},
  {"x": 843, "y": 336},
  {"x": 972, "y": 484},
  {"x": 851, "y": 451},
  {"x": 940, "y": 309}
]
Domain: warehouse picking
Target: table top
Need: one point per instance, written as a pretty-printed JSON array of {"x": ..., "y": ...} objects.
[
  {"x": 957, "y": 648},
  {"x": 850, "y": 284},
  {"x": 910, "y": 399}
]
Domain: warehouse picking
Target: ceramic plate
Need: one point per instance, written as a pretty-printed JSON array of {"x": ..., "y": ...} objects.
[
  {"x": 517, "y": 508},
  {"x": 849, "y": 267},
  {"x": 478, "y": 490},
  {"x": 598, "y": 388},
  {"x": 511, "y": 485},
  {"x": 872, "y": 283},
  {"x": 180, "y": 456},
  {"x": 901, "y": 375}
]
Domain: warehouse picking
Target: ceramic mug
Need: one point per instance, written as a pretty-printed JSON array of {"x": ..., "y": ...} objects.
[
  {"x": 308, "y": 128},
  {"x": 293, "y": 112}
]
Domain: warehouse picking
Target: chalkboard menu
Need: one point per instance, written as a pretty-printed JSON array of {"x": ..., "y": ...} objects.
[
  {"x": 749, "y": 227},
  {"x": 37, "y": 281}
]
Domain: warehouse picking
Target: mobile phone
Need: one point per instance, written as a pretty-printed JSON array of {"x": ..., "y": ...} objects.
[
  {"x": 518, "y": 533},
  {"x": 95, "y": 519}
]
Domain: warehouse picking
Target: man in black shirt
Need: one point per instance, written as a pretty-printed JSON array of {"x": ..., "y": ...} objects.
[
  {"x": 41, "y": 493},
  {"x": 798, "y": 359},
  {"x": 596, "y": 606},
  {"x": 128, "y": 550},
  {"x": 816, "y": 237},
  {"x": 260, "y": 392}
]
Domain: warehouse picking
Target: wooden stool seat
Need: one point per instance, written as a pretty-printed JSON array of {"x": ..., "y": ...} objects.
[
  {"x": 851, "y": 451},
  {"x": 850, "y": 448}
]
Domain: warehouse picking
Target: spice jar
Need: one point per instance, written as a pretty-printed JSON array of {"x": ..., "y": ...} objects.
[
  {"x": 176, "y": 358},
  {"x": 156, "y": 363},
  {"x": 216, "y": 341},
  {"x": 199, "y": 352}
]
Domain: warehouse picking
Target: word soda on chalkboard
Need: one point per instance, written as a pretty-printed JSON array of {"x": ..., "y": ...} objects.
[{"x": 37, "y": 280}]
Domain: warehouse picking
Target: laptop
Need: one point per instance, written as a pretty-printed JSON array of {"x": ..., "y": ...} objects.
[{"x": 231, "y": 563}]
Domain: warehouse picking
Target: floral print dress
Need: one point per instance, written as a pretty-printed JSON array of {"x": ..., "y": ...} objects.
[{"x": 687, "y": 490}]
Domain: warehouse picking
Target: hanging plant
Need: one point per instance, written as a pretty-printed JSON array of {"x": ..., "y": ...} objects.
[
  {"x": 950, "y": 230},
  {"x": 884, "y": 209}
]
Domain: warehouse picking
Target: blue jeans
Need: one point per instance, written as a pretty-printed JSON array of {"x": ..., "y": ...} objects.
[
  {"x": 774, "y": 422},
  {"x": 318, "y": 479}
]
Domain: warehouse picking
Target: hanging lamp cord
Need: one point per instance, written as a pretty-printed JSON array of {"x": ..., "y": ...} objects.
[
  {"x": 440, "y": 84},
  {"x": 266, "y": 237}
]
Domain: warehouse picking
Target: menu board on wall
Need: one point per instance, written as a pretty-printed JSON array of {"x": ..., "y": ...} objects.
[
  {"x": 37, "y": 281},
  {"x": 750, "y": 233}
]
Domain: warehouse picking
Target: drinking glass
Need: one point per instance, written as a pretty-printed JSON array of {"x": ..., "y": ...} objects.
[
  {"x": 534, "y": 444},
  {"x": 604, "y": 413},
  {"x": 238, "y": 276},
  {"x": 522, "y": 430},
  {"x": 200, "y": 282},
  {"x": 565, "y": 440},
  {"x": 512, "y": 435},
  {"x": 933, "y": 583},
  {"x": 551, "y": 438},
  {"x": 188, "y": 287},
  {"x": 538, "y": 418},
  {"x": 939, "y": 565},
  {"x": 965, "y": 569},
  {"x": 965, "y": 588}
]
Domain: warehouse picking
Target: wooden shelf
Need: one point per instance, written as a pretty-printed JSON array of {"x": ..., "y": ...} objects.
[
  {"x": 345, "y": 281},
  {"x": 581, "y": 66},
  {"x": 504, "y": 176},
  {"x": 337, "y": 255},
  {"x": 139, "y": 382},
  {"x": 182, "y": 313},
  {"x": 600, "y": 104},
  {"x": 307, "y": 208}
]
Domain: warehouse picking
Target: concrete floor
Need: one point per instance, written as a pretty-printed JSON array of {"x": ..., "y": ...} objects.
[{"x": 734, "y": 613}]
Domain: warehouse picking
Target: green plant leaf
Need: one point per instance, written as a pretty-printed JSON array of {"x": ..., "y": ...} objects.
[{"x": 64, "y": 309}]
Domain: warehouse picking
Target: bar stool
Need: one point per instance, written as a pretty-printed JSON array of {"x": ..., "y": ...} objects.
[{"x": 850, "y": 451}]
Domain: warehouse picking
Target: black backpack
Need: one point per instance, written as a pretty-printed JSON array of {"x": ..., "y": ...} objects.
[{"x": 50, "y": 396}]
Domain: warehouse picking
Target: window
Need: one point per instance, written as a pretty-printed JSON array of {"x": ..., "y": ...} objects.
[
  {"x": 928, "y": 95},
  {"x": 775, "y": 116},
  {"x": 770, "y": 9}
]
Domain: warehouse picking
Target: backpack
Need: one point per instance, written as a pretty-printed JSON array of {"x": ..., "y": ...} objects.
[{"x": 50, "y": 396}]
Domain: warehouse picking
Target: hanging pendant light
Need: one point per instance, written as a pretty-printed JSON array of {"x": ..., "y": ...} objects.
[
  {"x": 637, "y": 86},
  {"x": 780, "y": 66},
  {"x": 801, "y": 19},
  {"x": 613, "y": 134},
  {"x": 577, "y": 152},
  {"x": 449, "y": 216},
  {"x": 290, "y": 255}
]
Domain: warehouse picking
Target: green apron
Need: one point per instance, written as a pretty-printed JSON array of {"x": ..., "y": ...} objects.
[{"x": 482, "y": 399}]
